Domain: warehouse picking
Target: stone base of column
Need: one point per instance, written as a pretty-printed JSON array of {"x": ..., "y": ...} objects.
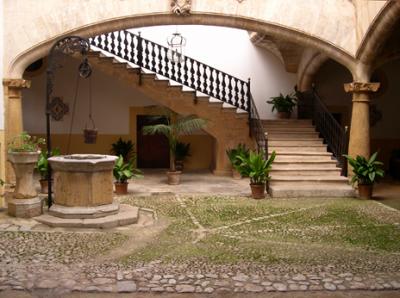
[
  {"x": 84, "y": 212},
  {"x": 25, "y": 208}
]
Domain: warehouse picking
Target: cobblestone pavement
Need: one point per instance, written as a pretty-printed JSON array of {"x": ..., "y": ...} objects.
[{"x": 34, "y": 257}]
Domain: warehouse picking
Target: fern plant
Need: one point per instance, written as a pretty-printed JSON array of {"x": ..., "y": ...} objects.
[
  {"x": 172, "y": 130},
  {"x": 234, "y": 153},
  {"x": 283, "y": 103},
  {"x": 124, "y": 148},
  {"x": 365, "y": 171}
]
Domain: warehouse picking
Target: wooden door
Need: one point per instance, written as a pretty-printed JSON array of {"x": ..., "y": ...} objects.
[{"x": 152, "y": 150}]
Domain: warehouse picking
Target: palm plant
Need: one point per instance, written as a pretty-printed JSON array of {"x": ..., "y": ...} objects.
[{"x": 172, "y": 130}]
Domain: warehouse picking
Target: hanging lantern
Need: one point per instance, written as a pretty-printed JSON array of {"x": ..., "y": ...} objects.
[{"x": 176, "y": 43}]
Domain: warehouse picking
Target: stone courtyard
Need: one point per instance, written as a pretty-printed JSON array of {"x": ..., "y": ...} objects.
[{"x": 199, "y": 243}]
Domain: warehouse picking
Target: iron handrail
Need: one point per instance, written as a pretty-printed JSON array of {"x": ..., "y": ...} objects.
[
  {"x": 185, "y": 71},
  {"x": 333, "y": 133}
]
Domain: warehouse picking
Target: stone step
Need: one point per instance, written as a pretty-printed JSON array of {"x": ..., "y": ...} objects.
[
  {"x": 307, "y": 179},
  {"x": 295, "y": 149},
  {"x": 292, "y": 136},
  {"x": 284, "y": 129},
  {"x": 285, "y": 165},
  {"x": 295, "y": 143},
  {"x": 315, "y": 171},
  {"x": 310, "y": 190},
  {"x": 304, "y": 158},
  {"x": 287, "y": 121},
  {"x": 127, "y": 215},
  {"x": 301, "y": 153}
]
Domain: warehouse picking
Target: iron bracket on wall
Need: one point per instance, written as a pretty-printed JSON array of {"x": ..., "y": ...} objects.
[{"x": 65, "y": 46}]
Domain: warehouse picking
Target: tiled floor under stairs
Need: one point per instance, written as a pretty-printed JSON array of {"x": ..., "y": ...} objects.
[{"x": 303, "y": 167}]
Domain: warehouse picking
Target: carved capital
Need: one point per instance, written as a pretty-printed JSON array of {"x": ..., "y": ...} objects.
[
  {"x": 181, "y": 7},
  {"x": 17, "y": 83},
  {"x": 355, "y": 87}
]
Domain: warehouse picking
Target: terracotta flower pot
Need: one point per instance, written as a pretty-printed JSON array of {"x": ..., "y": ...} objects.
[
  {"x": 121, "y": 188},
  {"x": 284, "y": 115},
  {"x": 174, "y": 177},
  {"x": 365, "y": 191},
  {"x": 257, "y": 191}
]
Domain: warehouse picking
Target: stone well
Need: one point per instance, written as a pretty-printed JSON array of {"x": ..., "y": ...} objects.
[{"x": 83, "y": 193}]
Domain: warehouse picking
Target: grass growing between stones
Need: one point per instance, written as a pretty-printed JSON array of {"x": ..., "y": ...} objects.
[{"x": 295, "y": 231}]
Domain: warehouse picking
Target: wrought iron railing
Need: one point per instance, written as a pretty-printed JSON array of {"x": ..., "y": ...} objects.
[
  {"x": 333, "y": 133},
  {"x": 186, "y": 71}
]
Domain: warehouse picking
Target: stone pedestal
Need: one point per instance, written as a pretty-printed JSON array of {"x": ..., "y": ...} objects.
[{"x": 23, "y": 202}]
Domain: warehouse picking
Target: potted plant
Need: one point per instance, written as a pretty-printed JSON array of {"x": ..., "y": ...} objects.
[
  {"x": 124, "y": 148},
  {"x": 42, "y": 166},
  {"x": 182, "y": 151},
  {"x": 284, "y": 104},
  {"x": 240, "y": 150},
  {"x": 23, "y": 153},
  {"x": 123, "y": 171},
  {"x": 172, "y": 130},
  {"x": 366, "y": 172},
  {"x": 257, "y": 168}
]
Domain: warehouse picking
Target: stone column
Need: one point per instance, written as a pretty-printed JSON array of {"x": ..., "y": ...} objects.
[
  {"x": 12, "y": 116},
  {"x": 359, "y": 143}
]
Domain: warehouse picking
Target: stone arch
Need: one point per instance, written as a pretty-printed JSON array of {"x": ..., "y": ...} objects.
[
  {"x": 311, "y": 63},
  {"x": 18, "y": 65},
  {"x": 378, "y": 32}
]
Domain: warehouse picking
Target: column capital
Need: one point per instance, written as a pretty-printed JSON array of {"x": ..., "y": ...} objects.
[
  {"x": 356, "y": 87},
  {"x": 17, "y": 83}
]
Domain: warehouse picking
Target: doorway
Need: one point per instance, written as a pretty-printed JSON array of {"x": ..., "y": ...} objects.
[{"x": 152, "y": 150}]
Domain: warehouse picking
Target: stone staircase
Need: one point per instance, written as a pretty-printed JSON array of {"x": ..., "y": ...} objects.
[
  {"x": 226, "y": 123},
  {"x": 303, "y": 167}
]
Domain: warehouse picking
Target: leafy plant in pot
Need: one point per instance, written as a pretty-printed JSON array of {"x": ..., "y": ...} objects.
[
  {"x": 123, "y": 171},
  {"x": 172, "y": 130},
  {"x": 124, "y": 148},
  {"x": 240, "y": 150},
  {"x": 42, "y": 166},
  {"x": 182, "y": 151},
  {"x": 284, "y": 104},
  {"x": 257, "y": 168},
  {"x": 366, "y": 172}
]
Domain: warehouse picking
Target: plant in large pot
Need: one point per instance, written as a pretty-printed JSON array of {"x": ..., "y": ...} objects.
[
  {"x": 175, "y": 127},
  {"x": 284, "y": 104},
  {"x": 233, "y": 154},
  {"x": 123, "y": 171},
  {"x": 182, "y": 151},
  {"x": 23, "y": 153},
  {"x": 366, "y": 173},
  {"x": 257, "y": 168},
  {"x": 42, "y": 166},
  {"x": 124, "y": 148}
]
